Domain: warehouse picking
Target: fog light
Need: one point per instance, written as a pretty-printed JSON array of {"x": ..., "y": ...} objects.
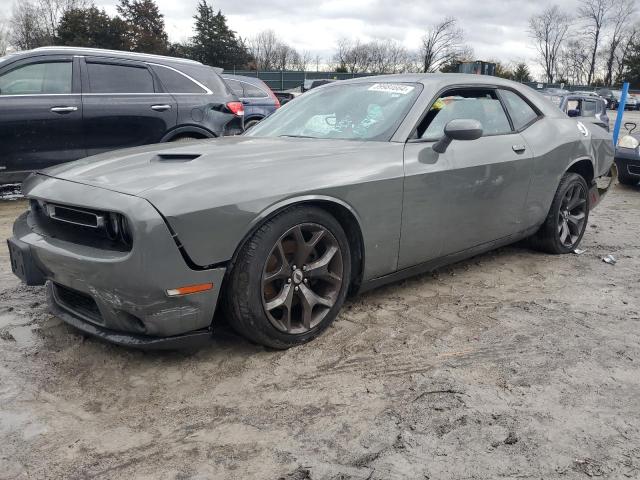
[{"x": 201, "y": 287}]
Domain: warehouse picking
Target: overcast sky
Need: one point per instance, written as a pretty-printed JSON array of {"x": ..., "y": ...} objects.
[{"x": 496, "y": 29}]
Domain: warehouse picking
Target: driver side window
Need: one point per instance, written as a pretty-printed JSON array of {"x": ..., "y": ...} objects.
[
  {"x": 482, "y": 105},
  {"x": 37, "y": 79}
]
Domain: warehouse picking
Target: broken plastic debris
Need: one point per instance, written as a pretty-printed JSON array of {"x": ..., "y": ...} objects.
[
  {"x": 579, "y": 251},
  {"x": 610, "y": 259}
]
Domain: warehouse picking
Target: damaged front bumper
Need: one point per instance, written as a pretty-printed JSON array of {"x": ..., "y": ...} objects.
[{"x": 119, "y": 296}]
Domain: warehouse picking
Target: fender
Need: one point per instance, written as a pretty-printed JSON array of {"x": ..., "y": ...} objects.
[
  {"x": 289, "y": 202},
  {"x": 187, "y": 129}
]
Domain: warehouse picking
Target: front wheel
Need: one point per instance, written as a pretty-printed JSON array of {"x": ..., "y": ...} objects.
[
  {"x": 290, "y": 278},
  {"x": 566, "y": 221}
]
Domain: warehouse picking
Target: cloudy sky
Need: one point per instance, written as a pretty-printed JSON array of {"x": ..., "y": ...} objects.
[{"x": 496, "y": 29}]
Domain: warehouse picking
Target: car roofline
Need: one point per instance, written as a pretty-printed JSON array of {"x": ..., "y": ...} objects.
[{"x": 119, "y": 53}]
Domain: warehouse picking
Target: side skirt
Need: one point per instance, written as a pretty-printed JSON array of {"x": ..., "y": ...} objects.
[{"x": 446, "y": 260}]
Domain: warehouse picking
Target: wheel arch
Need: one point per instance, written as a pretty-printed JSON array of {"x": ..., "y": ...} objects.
[
  {"x": 344, "y": 213},
  {"x": 584, "y": 167}
]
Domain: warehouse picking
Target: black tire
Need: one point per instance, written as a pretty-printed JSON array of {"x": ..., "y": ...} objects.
[
  {"x": 626, "y": 179},
  {"x": 549, "y": 237},
  {"x": 251, "y": 123},
  {"x": 245, "y": 291}
]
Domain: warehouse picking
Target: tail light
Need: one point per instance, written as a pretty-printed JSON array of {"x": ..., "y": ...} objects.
[{"x": 236, "y": 108}]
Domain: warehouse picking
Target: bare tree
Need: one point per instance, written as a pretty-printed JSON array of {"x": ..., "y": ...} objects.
[
  {"x": 624, "y": 51},
  {"x": 4, "y": 37},
  {"x": 301, "y": 60},
  {"x": 441, "y": 45},
  {"x": 548, "y": 30},
  {"x": 596, "y": 15},
  {"x": 623, "y": 11},
  {"x": 263, "y": 47},
  {"x": 573, "y": 62},
  {"x": 27, "y": 29}
]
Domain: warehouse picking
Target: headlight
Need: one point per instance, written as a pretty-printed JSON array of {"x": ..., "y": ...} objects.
[{"x": 628, "y": 142}]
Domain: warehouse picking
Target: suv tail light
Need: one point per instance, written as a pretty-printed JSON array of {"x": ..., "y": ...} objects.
[{"x": 236, "y": 108}]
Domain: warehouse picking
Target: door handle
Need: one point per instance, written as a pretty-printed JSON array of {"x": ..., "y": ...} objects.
[
  {"x": 519, "y": 148},
  {"x": 160, "y": 108},
  {"x": 64, "y": 109}
]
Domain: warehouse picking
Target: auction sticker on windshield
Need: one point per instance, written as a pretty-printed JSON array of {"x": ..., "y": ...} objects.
[{"x": 391, "y": 88}]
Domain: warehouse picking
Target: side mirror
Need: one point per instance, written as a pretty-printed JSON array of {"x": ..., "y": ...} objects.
[
  {"x": 573, "y": 113},
  {"x": 461, "y": 129}
]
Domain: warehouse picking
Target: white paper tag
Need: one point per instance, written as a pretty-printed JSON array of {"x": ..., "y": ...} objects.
[{"x": 391, "y": 88}]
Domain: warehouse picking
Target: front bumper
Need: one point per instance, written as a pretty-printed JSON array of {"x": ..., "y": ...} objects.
[
  {"x": 628, "y": 161},
  {"x": 117, "y": 296}
]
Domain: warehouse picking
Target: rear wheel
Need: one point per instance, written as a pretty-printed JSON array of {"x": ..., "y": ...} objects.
[
  {"x": 566, "y": 221},
  {"x": 290, "y": 278},
  {"x": 251, "y": 123}
]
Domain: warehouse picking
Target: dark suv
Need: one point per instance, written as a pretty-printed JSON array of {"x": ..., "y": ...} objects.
[{"x": 63, "y": 103}]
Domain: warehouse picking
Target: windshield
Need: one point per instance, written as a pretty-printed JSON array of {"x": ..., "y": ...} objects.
[{"x": 352, "y": 111}]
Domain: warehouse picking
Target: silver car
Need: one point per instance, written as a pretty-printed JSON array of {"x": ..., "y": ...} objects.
[{"x": 352, "y": 185}]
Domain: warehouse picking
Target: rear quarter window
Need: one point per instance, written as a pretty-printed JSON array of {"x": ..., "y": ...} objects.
[
  {"x": 208, "y": 77},
  {"x": 175, "y": 82},
  {"x": 522, "y": 114}
]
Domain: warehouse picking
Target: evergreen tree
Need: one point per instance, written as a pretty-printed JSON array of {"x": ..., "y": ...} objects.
[
  {"x": 145, "y": 25},
  {"x": 215, "y": 43},
  {"x": 521, "y": 73},
  {"x": 90, "y": 27}
]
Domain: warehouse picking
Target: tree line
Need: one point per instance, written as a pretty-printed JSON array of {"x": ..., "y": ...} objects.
[{"x": 598, "y": 44}]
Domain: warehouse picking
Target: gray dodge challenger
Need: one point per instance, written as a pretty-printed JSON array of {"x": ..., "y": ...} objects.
[{"x": 350, "y": 186}]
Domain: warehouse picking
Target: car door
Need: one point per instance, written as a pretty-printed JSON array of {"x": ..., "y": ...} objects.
[
  {"x": 40, "y": 114},
  {"x": 471, "y": 194},
  {"x": 124, "y": 105}
]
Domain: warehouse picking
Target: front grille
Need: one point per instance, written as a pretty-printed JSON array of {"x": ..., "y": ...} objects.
[
  {"x": 77, "y": 302},
  {"x": 93, "y": 228}
]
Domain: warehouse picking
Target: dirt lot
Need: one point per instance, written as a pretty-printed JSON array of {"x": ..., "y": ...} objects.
[{"x": 514, "y": 364}]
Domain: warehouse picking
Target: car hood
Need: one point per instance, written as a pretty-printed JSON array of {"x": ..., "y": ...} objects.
[{"x": 145, "y": 171}]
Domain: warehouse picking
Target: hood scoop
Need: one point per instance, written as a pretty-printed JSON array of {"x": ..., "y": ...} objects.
[{"x": 175, "y": 157}]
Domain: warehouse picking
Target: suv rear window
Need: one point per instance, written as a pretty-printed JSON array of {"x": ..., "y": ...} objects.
[
  {"x": 251, "y": 91},
  {"x": 112, "y": 78},
  {"x": 176, "y": 82}
]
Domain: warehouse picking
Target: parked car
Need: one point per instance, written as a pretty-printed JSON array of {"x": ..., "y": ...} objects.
[
  {"x": 609, "y": 96},
  {"x": 315, "y": 83},
  {"x": 63, "y": 103},
  {"x": 628, "y": 155},
  {"x": 631, "y": 103},
  {"x": 588, "y": 108},
  {"x": 258, "y": 99},
  {"x": 351, "y": 186}
]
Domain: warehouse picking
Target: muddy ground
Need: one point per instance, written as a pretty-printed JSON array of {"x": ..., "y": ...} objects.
[{"x": 514, "y": 364}]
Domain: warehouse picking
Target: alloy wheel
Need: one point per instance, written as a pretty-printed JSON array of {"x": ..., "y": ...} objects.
[
  {"x": 572, "y": 215},
  {"x": 302, "y": 278}
]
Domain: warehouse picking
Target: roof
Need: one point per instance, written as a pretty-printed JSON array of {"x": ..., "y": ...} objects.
[{"x": 105, "y": 52}]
